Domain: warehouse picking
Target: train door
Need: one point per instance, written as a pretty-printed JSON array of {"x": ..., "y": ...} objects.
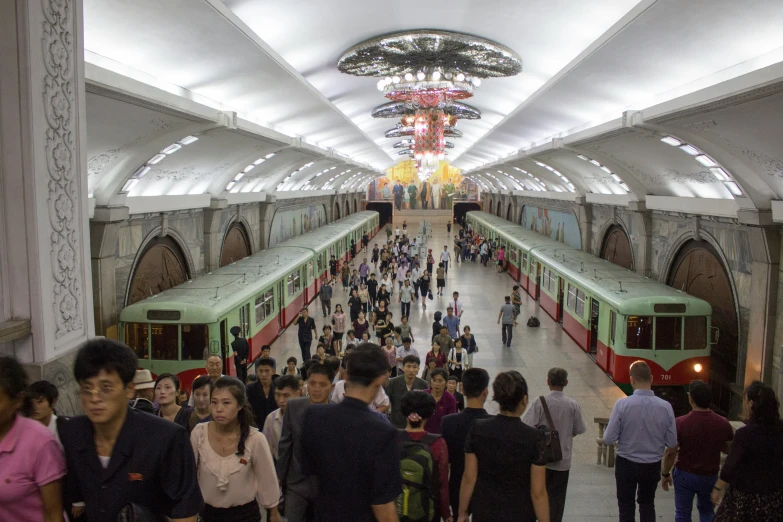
[
  {"x": 538, "y": 281},
  {"x": 244, "y": 320},
  {"x": 279, "y": 289},
  {"x": 224, "y": 343},
  {"x": 560, "y": 287},
  {"x": 594, "y": 309}
]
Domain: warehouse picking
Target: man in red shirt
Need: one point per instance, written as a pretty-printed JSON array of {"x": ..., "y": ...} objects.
[{"x": 701, "y": 437}]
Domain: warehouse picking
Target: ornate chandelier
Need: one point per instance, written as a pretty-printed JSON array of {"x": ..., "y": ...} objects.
[{"x": 425, "y": 74}]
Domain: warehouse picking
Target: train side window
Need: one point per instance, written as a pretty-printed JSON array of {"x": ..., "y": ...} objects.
[
  {"x": 297, "y": 281},
  {"x": 612, "y": 325},
  {"x": 639, "y": 332},
  {"x": 136, "y": 336},
  {"x": 269, "y": 303},
  {"x": 513, "y": 255},
  {"x": 310, "y": 270},
  {"x": 260, "y": 311},
  {"x": 668, "y": 333},
  {"x": 580, "y": 303},
  {"x": 165, "y": 342},
  {"x": 523, "y": 265},
  {"x": 571, "y": 302},
  {"x": 195, "y": 342},
  {"x": 290, "y": 284},
  {"x": 695, "y": 333}
]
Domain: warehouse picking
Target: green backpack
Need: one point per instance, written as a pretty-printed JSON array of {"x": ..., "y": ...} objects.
[{"x": 418, "y": 500}]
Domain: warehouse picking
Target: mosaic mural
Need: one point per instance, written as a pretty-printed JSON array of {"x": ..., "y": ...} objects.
[
  {"x": 560, "y": 226},
  {"x": 403, "y": 186},
  {"x": 291, "y": 222}
]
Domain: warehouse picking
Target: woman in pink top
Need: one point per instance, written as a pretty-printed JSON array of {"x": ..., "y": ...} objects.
[
  {"x": 31, "y": 460},
  {"x": 338, "y": 322},
  {"x": 235, "y": 465},
  {"x": 501, "y": 258}
]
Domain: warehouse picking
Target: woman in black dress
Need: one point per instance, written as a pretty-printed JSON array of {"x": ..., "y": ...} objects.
[
  {"x": 167, "y": 395},
  {"x": 424, "y": 288},
  {"x": 509, "y": 485}
]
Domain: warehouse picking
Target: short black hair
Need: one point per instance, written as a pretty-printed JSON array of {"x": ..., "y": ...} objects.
[
  {"x": 397, "y": 329},
  {"x": 106, "y": 355},
  {"x": 419, "y": 402},
  {"x": 43, "y": 390},
  {"x": 439, "y": 371},
  {"x": 171, "y": 376},
  {"x": 474, "y": 382},
  {"x": 411, "y": 359},
  {"x": 406, "y": 339},
  {"x": 452, "y": 378},
  {"x": 287, "y": 381},
  {"x": 701, "y": 393},
  {"x": 200, "y": 382},
  {"x": 13, "y": 379},
  {"x": 291, "y": 360},
  {"x": 266, "y": 347},
  {"x": 333, "y": 362},
  {"x": 349, "y": 332},
  {"x": 265, "y": 362},
  {"x": 366, "y": 363},
  {"x": 557, "y": 377},
  {"x": 321, "y": 369}
]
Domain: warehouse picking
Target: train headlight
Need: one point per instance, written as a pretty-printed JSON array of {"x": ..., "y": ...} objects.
[{"x": 697, "y": 367}]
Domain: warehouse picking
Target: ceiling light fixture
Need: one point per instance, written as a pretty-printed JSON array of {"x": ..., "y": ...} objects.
[
  {"x": 670, "y": 140},
  {"x": 259, "y": 161},
  {"x": 705, "y": 160},
  {"x": 128, "y": 186},
  {"x": 230, "y": 185},
  {"x": 690, "y": 149},
  {"x": 733, "y": 188},
  {"x": 188, "y": 140},
  {"x": 141, "y": 172},
  {"x": 239, "y": 176},
  {"x": 270, "y": 155},
  {"x": 249, "y": 167},
  {"x": 720, "y": 174},
  {"x": 171, "y": 149},
  {"x": 157, "y": 158}
]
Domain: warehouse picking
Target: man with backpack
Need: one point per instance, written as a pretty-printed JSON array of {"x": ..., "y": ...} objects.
[{"x": 563, "y": 415}]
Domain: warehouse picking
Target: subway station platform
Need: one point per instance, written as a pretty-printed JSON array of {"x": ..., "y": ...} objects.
[{"x": 591, "y": 488}]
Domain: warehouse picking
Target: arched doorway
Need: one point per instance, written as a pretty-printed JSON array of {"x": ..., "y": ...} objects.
[
  {"x": 499, "y": 209},
  {"x": 509, "y": 213},
  {"x": 336, "y": 211},
  {"x": 236, "y": 244},
  {"x": 490, "y": 206},
  {"x": 355, "y": 207},
  {"x": 699, "y": 271},
  {"x": 384, "y": 211},
  {"x": 616, "y": 247},
  {"x": 347, "y": 209},
  {"x": 460, "y": 209},
  {"x": 161, "y": 266}
]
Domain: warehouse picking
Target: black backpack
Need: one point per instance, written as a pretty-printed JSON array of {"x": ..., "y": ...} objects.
[{"x": 533, "y": 322}]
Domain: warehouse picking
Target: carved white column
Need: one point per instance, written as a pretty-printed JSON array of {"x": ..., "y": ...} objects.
[{"x": 46, "y": 269}]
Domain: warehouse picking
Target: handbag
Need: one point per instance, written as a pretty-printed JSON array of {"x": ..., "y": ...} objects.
[
  {"x": 429, "y": 295},
  {"x": 552, "y": 452},
  {"x": 137, "y": 513}
]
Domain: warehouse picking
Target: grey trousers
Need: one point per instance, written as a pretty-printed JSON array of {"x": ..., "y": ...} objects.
[{"x": 298, "y": 508}]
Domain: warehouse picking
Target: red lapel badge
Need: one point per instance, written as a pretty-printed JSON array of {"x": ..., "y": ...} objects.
[
  {"x": 243, "y": 462},
  {"x": 135, "y": 477}
]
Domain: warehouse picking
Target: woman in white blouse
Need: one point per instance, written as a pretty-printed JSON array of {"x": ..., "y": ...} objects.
[{"x": 235, "y": 466}]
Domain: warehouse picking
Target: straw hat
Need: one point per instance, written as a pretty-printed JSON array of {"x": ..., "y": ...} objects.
[{"x": 143, "y": 380}]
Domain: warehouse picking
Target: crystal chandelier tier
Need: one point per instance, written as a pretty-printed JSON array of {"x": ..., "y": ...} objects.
[{"x": 426, "y": 74}]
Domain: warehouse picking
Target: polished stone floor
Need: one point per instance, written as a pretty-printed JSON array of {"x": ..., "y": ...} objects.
[{"x": 591, "y": 490}]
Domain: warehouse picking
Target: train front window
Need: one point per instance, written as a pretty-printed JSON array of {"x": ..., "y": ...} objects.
[
  {"x": 668, "y": 333},
  {"x": 639, "y": 332},
  {"x": 195, "y": 342},
  {"x": 165, "y": 341},
  {"x": 137, "y": 336},
  {"x": 695, "y": 333}
]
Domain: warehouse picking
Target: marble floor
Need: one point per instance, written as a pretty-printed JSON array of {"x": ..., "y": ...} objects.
[{"x": 533, "y": 351}]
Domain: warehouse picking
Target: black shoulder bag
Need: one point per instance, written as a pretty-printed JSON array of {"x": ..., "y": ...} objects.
[{"x": 553, "y": 452}]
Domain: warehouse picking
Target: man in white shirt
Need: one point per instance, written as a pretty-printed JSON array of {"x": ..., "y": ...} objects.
[
  {"x": 380, "y": 402},
  {"x": 456, "y": 304},
  {"x": 445, "y": 257},
  {"x": 567, "y": 419},
  {"x": 415, "y": 275},
  {"x": 286, "y": 387}
]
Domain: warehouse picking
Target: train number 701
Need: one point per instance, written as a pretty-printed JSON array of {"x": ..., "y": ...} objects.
[{"x": 666, "y": 377}]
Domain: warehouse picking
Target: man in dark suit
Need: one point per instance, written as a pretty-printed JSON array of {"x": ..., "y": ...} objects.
[
  {"x": 117, "y": 455},
  {"x": 401, "y": 385},
  {"x": 423, "y": 194},
  {"x": 261, "y": 394},
  {"x": 354, "y": 454},
  {"x": 299, "y": 490},
  {"x": 241, "y": 353},
  {"x": 455, "y": 427}
]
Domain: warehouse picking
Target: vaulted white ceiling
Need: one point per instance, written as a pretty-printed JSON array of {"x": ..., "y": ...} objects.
[{"x": 273, "y": 63}]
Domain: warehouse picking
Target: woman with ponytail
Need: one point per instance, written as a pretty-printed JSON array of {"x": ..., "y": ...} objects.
[
  {"x": 750, "y": 486},
  {"x": 510, "y": 483},
  {"x": 234, "y": 462}
]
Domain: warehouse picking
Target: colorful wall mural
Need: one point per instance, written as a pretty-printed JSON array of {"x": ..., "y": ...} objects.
[
  {"x": 560, "y": 226},
  {"x": 291, "y": 222},
  {"x": 439, "y": 192}
]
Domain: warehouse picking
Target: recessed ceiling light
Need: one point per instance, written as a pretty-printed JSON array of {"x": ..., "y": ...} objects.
[
  {"x": 733, "y": 188},
  {"x": 171, "y": 149},
  {"x": 141, "y": 172},
  {"x": 258, "y": 188},
  {"x": 230, "y": 185},
  {"x": 157, "y": 158},
  {"x": 188, "y": 140},
  {"x": 690, "y": 149},
  {"x": 239, "y": 176},
  {"x": 129, "y": 185},
  {"x": 460, "y": 77},
  {"x": 259, "y": 161},
  {"x": 249, "y": 168},
  {"x": 669, "y": 140},
  {"x": 436, "y": 75},
  {"x": 395, "y": 79},
  {"x": 420, "y": 75},
  {"x": 582, "y": 157},
  {"x": 408, "y": 77},
  {"x": 625, "y": 187},
  {"x": 720, "y": 174},
  {"x": 270, "y": 155},
  {"x": 705, "y": 160},
  {"x": 617, "y": 178},
  {"x": 597, "y": 164},
  {"x": 606, "y": 169}
]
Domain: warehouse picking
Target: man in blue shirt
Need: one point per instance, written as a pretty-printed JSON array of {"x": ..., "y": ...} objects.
[
  {"x": 451, "y": 322},
  {"x": 644, "y": 426}
]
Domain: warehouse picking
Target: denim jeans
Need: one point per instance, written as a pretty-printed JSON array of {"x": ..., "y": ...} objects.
[{"x": 686, "y": 485}]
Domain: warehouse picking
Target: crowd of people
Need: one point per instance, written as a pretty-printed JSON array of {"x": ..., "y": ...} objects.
[{"x": 366, "y": 428}]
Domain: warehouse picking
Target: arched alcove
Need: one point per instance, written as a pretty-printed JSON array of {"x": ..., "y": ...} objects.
[
  {"x": 347, "y": 209},
  {"x": 499, "y": 209},
  {"x": 162, "y": 265},
  {"x": 491, "y": 206},
  {"x": 698, "y": 270},
  {"x": 236, "y": 244},
  {"x": 336, "y": 211},
  {"x": 616, "y": 247},
  {"x": 510, "y": 213},
  {"x": 355, "y": 206}
]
